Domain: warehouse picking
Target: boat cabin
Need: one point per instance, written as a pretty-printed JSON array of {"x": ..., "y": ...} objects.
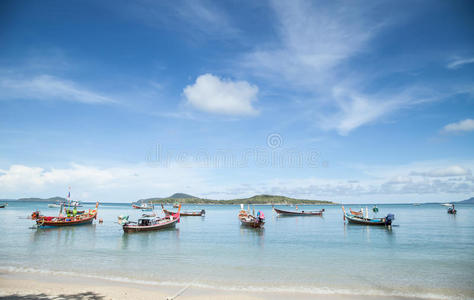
[{"x": 145, "y": 222}]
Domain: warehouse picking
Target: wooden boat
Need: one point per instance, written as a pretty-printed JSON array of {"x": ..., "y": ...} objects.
[
  {"x": 249, "y": 220},
  {"x": 3, "y": 205},
  {"x": 144, "y": 206},
  {"x": 361, "y": 220},
  {"x": 452, "y": 210},
  {"x": 151, "y": 224},
  {"x": 356, "y": 213},
  {"x": 59, "y": 221},
  {"x": 299, "y": 213},
  {"x": 185, "y": 213}
]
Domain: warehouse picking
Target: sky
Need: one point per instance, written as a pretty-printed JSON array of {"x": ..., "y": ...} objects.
[{"x": 346, "y": 101}]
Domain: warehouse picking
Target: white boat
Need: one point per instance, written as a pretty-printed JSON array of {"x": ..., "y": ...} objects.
[
  {"x": 54, "y": 205},
  {"x": 73, "y": 204},
  {"x": 447, "y": 204}
]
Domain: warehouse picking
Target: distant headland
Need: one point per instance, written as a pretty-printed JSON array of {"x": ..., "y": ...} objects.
[{"x": 257, "y": 199}]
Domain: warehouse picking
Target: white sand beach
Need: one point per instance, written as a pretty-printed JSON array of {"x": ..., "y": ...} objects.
[{"x": 17, "y": 285}]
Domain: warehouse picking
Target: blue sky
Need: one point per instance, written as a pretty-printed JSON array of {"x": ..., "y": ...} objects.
[{"x": 343, "y": 101}]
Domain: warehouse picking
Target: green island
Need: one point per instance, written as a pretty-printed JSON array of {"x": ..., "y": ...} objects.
[{"x": 258, "y": 199}]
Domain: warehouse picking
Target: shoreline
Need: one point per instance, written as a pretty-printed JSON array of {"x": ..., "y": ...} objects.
[{"x": 30, "y": 285}]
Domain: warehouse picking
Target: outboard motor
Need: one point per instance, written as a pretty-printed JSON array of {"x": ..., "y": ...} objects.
[
  {"x": 203, "y": 212},
  {"x": 389, "y": 218}
]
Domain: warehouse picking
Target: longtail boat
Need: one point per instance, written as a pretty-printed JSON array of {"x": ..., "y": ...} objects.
[
  {"x": 299, "y": 213},
  {"x": 185, "y": 213},
  {"x": 144, "y": 206},
  {"x": 150, "y": 224},
  {"x": 3, "y": 205},
  {"x": 247, "y": 219},
  {"x": 361, "y": 220},
  {"x": 59, "y": 221},
  {"x": 452, "y": 210}
]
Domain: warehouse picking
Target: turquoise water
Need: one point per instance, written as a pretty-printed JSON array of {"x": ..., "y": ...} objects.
[{"x": 427, "y": 253}]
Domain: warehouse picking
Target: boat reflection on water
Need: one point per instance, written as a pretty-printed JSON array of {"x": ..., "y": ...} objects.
[
  {"x": 148, "y": 238},
  {"x": 70, "y": 237},
  {"x": 258, "y": 235},
  {"x": 368, "y": 232}
]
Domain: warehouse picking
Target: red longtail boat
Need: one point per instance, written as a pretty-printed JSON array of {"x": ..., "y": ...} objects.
[{"x": 60, "y": 221}]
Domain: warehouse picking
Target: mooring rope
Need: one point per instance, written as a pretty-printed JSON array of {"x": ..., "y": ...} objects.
[{"x": 181, "y": 291}]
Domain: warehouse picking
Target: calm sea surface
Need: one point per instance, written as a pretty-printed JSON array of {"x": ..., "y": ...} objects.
[{"x": 427, "y": 253}]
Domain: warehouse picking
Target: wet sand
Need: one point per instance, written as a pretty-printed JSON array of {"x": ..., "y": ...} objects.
[{"x": 17, "y": 285}]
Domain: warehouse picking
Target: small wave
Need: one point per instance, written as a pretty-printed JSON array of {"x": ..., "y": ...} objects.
[{"x": 250, "y": 289}]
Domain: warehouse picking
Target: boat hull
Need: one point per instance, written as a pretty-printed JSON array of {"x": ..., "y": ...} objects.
[
  {"x": 186, "y": 214},
  {"x": 370, "y": 222},
  {"x": 136, "y": 228},
  {"x": 43, "y": 222},
  {"x": 253, "y": 224},
  {"x": 298, "y": 213}
]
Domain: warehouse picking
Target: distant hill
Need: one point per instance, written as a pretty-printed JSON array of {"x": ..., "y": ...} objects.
[
  {"x": 258, "y": 199},
  {"x": 467, "y": 201},
  {"x": 181, "y": 196},
  {"x": 52, "y": 199}
]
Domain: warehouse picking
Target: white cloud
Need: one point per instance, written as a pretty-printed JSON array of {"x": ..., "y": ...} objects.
[
  {"x": 124, "y": 183},
  {"x": 222, "y": 96},
  {"x": 45, "y": 87},
  {"x": 445, "y": 172},
  {"x": 457, "y": 63},
  {"x": 464, "y": 125},
  {"x": 128, "y": 183}
]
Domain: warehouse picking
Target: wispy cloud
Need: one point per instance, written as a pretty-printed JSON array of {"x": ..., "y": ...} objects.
[
  {"x": 317, "y": 40},
  {"x": 46, "y": 87},
  {"x": 458, "y": 63},
  {"x": 201, "y": 17},
  {"x": 444, "y": 172},
  {"x": 222, "y": 96},
  {"x": 461, "y": 126},
  {"x": 314, "y": 38},
  {"x": 317, "y": 57}
]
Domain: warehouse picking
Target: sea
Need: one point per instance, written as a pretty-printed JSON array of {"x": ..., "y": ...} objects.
[{"x": 426, "y": 254}]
